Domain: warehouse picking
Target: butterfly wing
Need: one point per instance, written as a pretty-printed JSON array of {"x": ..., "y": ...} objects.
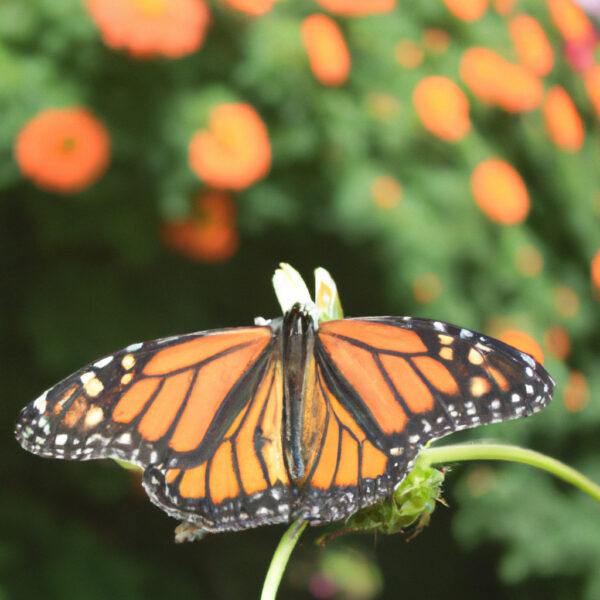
[
  {"x": 390, "y": 385},
  {"x": 201, "y": 413}
]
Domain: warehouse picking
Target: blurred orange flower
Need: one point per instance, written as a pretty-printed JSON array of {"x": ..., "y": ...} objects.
[
  {"x": 63, "y": 150},
  {"x": 467, "y": 10},
  {"x": 427, "y": 287},
  {"x": 566, "y": 301},
  {"x": 571, "y": 20},
  {"x": 595, "y": 269},
  {"x": 562, "y": 121},
  {"x": 442, "y": 107},
  {"x": 523, "y": 342},
  {"x": 409, "y": 54},
  {"x": 252, "y": 7},
  {"x": 496, "y": 81},
  {"x": 528, "y": 260},
  {"x": 386, "y": 191},
  {"x": 592, "y": 86},
  {"x": 532, "y": 45},
  {"x": 500, "y": 192},
  {"x": 504, "y": 7},
  {"x": 327, "y": 51},
  {"x": 209, "y": 235},
  {"x": 148, "y": 28},
  {"x": 576, "y": 394},
  {"x": 235, "y": 151},
  {"x": 436, "y": 40},
  {"x": 556, "y": 340},
  {"x": 357, "y": 8}
]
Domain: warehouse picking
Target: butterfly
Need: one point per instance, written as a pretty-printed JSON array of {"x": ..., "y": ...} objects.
[{"x": 291, "y": 418}]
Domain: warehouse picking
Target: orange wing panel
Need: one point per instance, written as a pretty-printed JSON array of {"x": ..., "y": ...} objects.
[
  {"x": 213, "y": 382},
  {"x": 498, "y": 378},
  {"x": 328, "y": 459},
  {"x": 76, "y": 411},
  {"x": 359, "y": 368},
  {"x": 377, "y": 335},
  {"x": 437, "y": 374},
  {"x": 347, "y": 473},
  {"x": 160, "y": 415},
  {"x": 409, "y": 385},
  {"x": 272, "y": 450},
  {"x": 191, "y": 353},
  {"x": 222, "y": 479},
  {"x": 374, "y": 461},
  {"x": 193, "y": 482},
  {"x": 251, "y": 473},
  {"x": 171, "y": 475},
  {"x": 134, "y": 400}
]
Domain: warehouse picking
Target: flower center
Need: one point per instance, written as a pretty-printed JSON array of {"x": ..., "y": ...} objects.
[
  {"x": 151, "y": 7},
  {"x": 67, "y": 145}
]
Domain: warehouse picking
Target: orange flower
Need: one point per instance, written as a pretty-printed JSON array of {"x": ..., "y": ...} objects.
[
  {"x": 563, "y": 123},
  {"x": 357, "y": 8},
  {"x": 500, "y": 192},
  {"x": 498, "y": 82},
  {"x": 595, "y": 270},
  {"x": 577, "y": 393},
  {"x": 467, "y": 10},
  {"x": 523, "y": 342},
  {"x": 386, "y": 191},
  {"x": 532, "y": 45},
  {"x": 443, "y": 108},
  {"x": 556, "y": 340},
  {"x": 436, "y": 40},
  {"x": 63, "y": 150},
  {"x": 210, "y": 234},
  {"x": 528, "y": 260},
  {"x": 571, "y": 21},
  {"x": 409, "y": 54},
  {"x": 566, "y": 301},
  {"x": 504, "y": 7},
  {"x": 592, "y": 86},
  {"x": 147, "y": 28},
  {"x": 327, "y": 51},
  {"x": 234, "y": 152},
  {"x": 252, "y": 7},
  {"x": 427, "y": 287}
]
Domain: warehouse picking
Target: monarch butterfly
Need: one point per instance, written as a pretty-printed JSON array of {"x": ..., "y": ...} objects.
[{"x": 286, "y": 419}]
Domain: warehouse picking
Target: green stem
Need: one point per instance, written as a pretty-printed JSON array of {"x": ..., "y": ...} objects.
[
  {"x": 280, "y": 559},
  {"x": 440, "y": 455},
  {"x": 460, "y": 452}
]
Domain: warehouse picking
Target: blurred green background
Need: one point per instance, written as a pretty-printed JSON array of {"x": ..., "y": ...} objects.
[{"x": 87, "y": 273}]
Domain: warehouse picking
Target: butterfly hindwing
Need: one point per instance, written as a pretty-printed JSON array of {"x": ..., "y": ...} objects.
[{"x": 243, "y": 482}]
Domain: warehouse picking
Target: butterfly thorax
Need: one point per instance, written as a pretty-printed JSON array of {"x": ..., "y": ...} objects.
[{"x": 301, "y": 413}]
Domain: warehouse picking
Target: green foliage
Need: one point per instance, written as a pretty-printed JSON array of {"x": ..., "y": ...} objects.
[{"x": 87, "y": 273}]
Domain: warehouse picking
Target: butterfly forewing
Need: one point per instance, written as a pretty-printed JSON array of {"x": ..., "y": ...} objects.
[{"x": 150, "y": 402}]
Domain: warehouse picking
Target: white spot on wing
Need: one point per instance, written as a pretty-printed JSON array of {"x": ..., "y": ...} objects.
[
  {"x": 87, "y": 376},
  {"x": 103, "y": 362},
  {"x": 40, "y": 403},
  {"x": 61, "y": 439},
  {"x": 136, "y": 346},
  {"x": 124, "y": 439}
]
